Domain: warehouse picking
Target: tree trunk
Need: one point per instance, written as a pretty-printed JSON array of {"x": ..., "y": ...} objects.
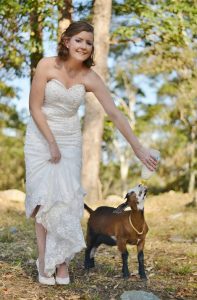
[
  {"x": 94, "y": 116},
  {"x": 35, "y": 38},
  {"x": 124, "y": 154},
  {"x": 65, "y": 10},
  {"x": 193, "y": 171},
  {"x": 130, "y": 92}
]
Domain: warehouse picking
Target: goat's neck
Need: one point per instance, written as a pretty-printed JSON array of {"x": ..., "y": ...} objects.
[
  {"x": 137, "y": 217},
  {"x": 137, "y": 222}
]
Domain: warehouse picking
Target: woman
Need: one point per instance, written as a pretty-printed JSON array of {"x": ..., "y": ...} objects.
[{"x": 53, "y": 149}]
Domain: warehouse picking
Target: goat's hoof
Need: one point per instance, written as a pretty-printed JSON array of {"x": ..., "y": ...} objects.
[
  {"x": 126, "y": 275},
  {"x": 89, "y": 265},
  {"x": 143, "y": 277}
]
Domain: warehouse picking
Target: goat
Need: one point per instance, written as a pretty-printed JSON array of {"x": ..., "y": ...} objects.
[{"x": 110, "y": 226}]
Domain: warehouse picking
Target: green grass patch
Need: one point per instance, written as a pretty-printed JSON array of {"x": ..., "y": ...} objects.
[
  {"x": 182, "y": 270},
  {"x": 6, "y": 237}
]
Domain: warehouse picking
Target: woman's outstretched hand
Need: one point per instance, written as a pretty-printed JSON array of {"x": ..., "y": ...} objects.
[
  {"x": 55, "y": 153},
  {"x": 146, "y": 158}
]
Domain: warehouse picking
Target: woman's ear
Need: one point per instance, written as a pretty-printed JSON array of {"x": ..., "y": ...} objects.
[{"x": 66, "y": 42}]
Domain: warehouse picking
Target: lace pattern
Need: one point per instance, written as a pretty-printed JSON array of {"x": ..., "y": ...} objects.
[{"x": 57, "y": 187}]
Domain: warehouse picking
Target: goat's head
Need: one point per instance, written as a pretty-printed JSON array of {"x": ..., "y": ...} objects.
[{"x": 135, "y": 199}]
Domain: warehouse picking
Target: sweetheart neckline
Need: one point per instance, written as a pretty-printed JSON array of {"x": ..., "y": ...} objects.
[{"x": 67, "y": 89}]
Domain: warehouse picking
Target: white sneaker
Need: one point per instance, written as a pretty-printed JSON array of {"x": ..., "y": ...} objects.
[
  {"x": 64, "y": 280},
  {"x": 43, "y": 279}
]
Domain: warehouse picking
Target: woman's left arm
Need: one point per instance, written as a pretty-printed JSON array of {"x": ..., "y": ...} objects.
[{"x": 95, "y": 85}]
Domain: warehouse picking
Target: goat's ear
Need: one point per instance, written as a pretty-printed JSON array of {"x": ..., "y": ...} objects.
[
  {"x": 120, "y": 208},
  {"x": 128, "y": 194}
]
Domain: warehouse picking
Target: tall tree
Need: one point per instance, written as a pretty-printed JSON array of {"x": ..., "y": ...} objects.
[
  {"x": 65, "y": 15},
  {"x": 36, "y": 37},
  {"x": 94, "y": 116}
]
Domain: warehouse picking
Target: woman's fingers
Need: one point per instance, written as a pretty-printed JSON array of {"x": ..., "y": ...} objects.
[
  {"x": 147, "y": 158},
  {"x": 151, "y": 163},
  {"x": 150, "y": 166},
  {"x": 55, "y": 160},
  {"x": 55, "y": 153},
  {"x": 153, "y": 159}
]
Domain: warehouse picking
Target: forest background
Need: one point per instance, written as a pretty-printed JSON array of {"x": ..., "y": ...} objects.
[{"x": 146, "y": 51}]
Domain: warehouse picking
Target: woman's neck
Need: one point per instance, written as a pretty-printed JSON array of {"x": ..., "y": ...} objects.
[{"x": 72, "y": 66}]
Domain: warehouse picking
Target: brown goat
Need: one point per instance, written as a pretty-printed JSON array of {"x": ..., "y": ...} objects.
[{"x": 111, "y": 226}]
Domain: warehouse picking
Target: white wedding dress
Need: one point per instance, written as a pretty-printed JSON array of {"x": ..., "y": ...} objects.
[{"x": 57, "y": 187}]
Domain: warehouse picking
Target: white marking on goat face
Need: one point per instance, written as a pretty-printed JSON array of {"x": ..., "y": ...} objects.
[{"x": 140, "y": 192}]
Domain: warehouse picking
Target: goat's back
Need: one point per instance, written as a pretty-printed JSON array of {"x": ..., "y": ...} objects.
[
  {"x": 104, "y": 210},
  {"x": 104, "y": 221}
]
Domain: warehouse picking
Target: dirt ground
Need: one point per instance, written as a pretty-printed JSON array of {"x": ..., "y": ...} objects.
[{"x": 170, "y": 257}]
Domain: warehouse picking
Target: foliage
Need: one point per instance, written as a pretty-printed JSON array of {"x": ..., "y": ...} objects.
[
  {"x": 18, "y": 43},
  {"x": 160, "y": 43},
  {"x": 11, "y": 163}
]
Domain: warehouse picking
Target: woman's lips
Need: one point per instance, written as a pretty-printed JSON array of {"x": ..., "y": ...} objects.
[{"x": 82, "y": 53}]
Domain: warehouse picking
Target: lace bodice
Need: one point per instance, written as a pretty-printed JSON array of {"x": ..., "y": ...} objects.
[{"x": 60, "y": 102}]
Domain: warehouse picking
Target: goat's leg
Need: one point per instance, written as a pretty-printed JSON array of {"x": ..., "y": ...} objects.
[
  {"x": 140, "y": 248},
  {"x": 95, "y": 242},
  {"x": 122, "y": 248},
  {"x": 89, "y": 261},
  {"x": 125, "y": 269},
  {"x": 90, "y": 250}
]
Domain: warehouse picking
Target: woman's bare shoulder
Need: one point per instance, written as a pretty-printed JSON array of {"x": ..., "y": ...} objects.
[
  {"x": 91, "y": 80},
  {"x": 47, "y": 66},
  {"x": 48, "y": 61},
  {"x": 90, "y": 74}
]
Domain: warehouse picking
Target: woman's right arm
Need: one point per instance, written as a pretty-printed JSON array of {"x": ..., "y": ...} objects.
[{"x": 36, "y": 99}]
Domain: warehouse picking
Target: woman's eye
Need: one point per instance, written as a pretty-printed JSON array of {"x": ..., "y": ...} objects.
[{"x": 77, "y": 41}]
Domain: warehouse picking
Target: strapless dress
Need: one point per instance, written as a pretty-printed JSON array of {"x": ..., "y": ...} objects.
[{"x": 57, "y": 187}]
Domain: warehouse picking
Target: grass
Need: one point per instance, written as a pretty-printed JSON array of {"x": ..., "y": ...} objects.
[
  {"x": 6, "y": 237},
  {"x": 170, "y": 257},
  {"x": 183, "y": 270}
]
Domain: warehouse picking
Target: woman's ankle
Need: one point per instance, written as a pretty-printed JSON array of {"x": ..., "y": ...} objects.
[
  {"x": 41, "y": 266},
  {"x": 62, "y": 271}
]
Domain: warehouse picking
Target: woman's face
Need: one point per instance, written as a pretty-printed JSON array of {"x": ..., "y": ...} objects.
[{"x": 80, "y": 46}]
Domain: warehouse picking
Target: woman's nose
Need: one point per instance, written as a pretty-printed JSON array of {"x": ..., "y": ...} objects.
[{"x": 83, "y": 45}]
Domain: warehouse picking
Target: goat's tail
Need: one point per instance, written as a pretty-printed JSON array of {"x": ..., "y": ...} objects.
[{"x": 88, "y": 208}]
